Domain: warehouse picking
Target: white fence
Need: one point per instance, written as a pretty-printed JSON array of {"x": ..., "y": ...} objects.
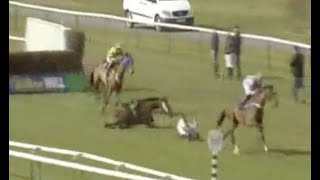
[
  {"x": 76, "y": 166},
  {"x": 96, "y": 158},
  {"x": 15, "y": 38},
  {"x": 269, "y": 41}
]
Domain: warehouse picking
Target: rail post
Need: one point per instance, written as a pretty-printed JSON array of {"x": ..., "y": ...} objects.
[
  {"x": 215, "y": 143},
  {"x": 269, "y": 65}
]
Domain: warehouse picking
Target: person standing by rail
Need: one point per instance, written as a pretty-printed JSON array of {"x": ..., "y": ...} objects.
[
  {"x": 215, "y": 53},
  {"x": 237, "y": 50},
  {"x": 229, "y": 55},
  {"x": 297, "y": 70}
]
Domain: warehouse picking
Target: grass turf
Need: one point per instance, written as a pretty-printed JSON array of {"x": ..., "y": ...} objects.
[
  {"x": 289, "y": 19},
  {"x": 72, "y": 120}
]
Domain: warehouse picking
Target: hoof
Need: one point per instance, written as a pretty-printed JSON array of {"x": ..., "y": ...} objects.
[
  {"x": 236, "y": 150},
  {"x": 265, "y": 149}
]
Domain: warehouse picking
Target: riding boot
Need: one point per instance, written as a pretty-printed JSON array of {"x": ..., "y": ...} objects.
[
  {"x": 242, "y": 104},
  {"x": 108, "y": 67}
]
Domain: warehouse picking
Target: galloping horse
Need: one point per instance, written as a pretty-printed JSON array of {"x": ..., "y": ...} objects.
[
  {"x": 112, "y": 81},
  {"x": 140, "y": 112},
  {"x": 251, "y": 116}
]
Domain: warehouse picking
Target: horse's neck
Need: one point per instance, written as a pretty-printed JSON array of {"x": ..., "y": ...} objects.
[
  {"x": 259, "y": 100},
  {"x": 154, "y": 105},
  {"x": 120, "y": 70}
]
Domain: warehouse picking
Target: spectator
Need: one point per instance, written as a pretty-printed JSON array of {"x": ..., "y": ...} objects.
[
  {"x": 297, "y": 70},
  {"x": 214, "y": 53},
  {"x": 237, "y": 50},
  {"x": 229, "y": 55}
]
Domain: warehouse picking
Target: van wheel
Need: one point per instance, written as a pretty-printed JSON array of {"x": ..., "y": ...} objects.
[
  {"x": 129, "y": 16},
  {"x": 158, "y": 20}
]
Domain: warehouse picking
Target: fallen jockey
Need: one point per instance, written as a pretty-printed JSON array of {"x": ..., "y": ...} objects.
[
  {"x": 250, "y": 84},
  {"x": 187, "y": 129}
]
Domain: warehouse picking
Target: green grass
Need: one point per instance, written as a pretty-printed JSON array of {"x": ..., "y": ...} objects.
[
  {"x": 288, "y": 19},
  {"x": 72, "y": 121}
]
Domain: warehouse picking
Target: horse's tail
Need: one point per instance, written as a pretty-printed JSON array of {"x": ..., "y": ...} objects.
[{"x": 221, "y": 118}]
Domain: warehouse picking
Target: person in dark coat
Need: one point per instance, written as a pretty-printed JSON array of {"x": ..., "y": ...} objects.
[
  {"x": 229, "y": 55},
  {"x": 215, "y": 52},
  {"x": 237, "y": 50},
  {"x": 297, "y": 70}
]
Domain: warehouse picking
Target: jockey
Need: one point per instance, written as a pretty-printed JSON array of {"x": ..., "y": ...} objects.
[
  {"x": 115, "y": 54},
  {"x": 250, "y": 85},
  {"x": 187, "y": 129}
]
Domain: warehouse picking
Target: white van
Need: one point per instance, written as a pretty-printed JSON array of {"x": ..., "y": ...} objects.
[{"x": 168, "y": 11}]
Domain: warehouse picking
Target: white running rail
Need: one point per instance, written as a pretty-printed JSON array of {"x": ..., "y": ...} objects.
[
  {"x": 76, "y": 166},
  {"x": 17, "y": 38},
  {"x": 96, "y": 158},
  {"x": 206, "y": 30}
]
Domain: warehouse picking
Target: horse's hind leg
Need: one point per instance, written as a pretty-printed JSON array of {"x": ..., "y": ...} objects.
[{"x": 261, "y": 130}]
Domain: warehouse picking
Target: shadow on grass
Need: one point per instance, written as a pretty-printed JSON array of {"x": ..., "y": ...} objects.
[
  {"x": 19, "y": 176},
  {"x": 163, "y": 127},
  {"x": 273, "y": 77},
  {"x": 136, "y": 89},
  {"x": 285, "y": 152},
  {"x": 291, "y": 152},
  {"x": 164, "y": 30}
]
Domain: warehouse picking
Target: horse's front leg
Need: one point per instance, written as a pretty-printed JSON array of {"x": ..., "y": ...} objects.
[
  {"x": 261, "y": 130},
  {"x": 117, "y": 98},
  {"x": 106, "y": 97},
  {"x": 235, "y": 125},
  {"x": 236, "y": 149},
  {"x": 150, "y": 122}
]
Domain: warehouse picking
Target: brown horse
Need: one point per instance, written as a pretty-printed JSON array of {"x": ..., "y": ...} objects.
[
  {"x": 140, "y": 112},
  {"x": 250, "y": 116},
  {"x": 112, "y": 82}
]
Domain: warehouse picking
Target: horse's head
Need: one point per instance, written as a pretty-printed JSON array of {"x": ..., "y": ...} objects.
[
  {"x": 166, "y": 106},
  {"x": 270, "y": 94},
  {"x": 128, "y": 63}
]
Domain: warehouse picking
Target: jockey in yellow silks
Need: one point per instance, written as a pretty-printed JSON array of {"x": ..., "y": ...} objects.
[
  {"x": 114, "y": 55},
  {"x": 251, "y": 84}
]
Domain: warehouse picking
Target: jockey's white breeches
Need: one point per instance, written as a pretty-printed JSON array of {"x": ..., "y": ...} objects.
[
  {"x": 181, "y": 128},
  {"x": 247, "y": 86},
  {"x": 230, "y": 60}
]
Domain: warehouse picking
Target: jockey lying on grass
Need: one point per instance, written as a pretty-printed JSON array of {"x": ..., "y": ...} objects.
[{"x": 250, "y": 85}]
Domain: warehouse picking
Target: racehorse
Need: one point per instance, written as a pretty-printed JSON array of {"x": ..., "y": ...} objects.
[
  {"x": 140, "y": 112},
  {"x": 250, "y": 116},
  {"x": 112, "y": 82}
]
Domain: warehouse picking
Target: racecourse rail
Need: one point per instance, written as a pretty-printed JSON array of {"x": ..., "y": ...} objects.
[
  {"x": 92, "y": 157},
  {"x": 76, "y": 166},
  {"x": 182, "y": 27},
  {"x": 15, "y": 38}
]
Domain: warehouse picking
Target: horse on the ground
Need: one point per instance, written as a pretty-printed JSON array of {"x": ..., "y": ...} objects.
[
  {"x": 250, "y": 116},
  {"x": 140, "y": 112},
  {"x": 113, "y": 81}
]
